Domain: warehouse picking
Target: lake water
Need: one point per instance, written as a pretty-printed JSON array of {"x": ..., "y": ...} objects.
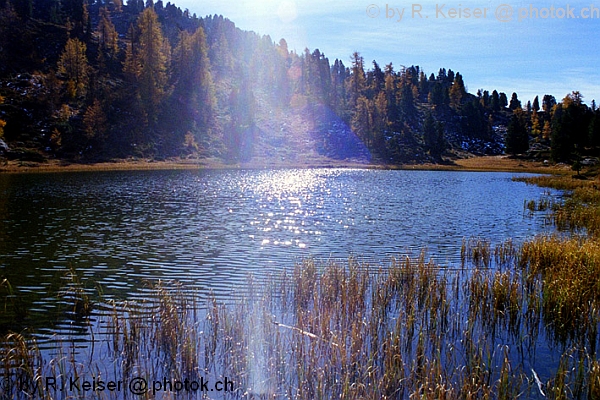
[{"x": 210, "y": 229}]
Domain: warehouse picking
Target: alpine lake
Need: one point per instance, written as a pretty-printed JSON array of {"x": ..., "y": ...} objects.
[{"x": 218, "y": 235}]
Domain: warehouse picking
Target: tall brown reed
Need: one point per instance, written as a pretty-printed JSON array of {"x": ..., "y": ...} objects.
[{"x": 405, "y": 330}]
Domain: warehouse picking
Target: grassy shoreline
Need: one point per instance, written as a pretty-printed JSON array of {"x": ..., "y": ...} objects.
[{"x": 483, "y": 164}]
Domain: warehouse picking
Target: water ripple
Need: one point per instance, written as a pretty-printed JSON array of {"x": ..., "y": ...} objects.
[{"x": 211, "y": 229}]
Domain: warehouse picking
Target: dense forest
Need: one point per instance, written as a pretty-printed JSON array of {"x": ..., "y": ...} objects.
[{"x": 93, "y": 80}]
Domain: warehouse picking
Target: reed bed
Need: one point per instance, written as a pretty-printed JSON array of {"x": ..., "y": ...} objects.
[
  {"x": 580, "y": 211},
  {"x": 405, "y": 330}
]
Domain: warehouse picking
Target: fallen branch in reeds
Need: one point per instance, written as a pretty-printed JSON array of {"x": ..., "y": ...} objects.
[
  {"x": 539, "y": 383},
  {"x": 306, "y": 333}
]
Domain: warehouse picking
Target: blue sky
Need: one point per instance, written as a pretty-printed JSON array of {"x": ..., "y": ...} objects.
[{"x": 509, "y": 48}]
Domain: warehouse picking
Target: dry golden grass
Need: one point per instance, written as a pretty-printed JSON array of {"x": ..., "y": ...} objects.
[
  {"x": 507, "y": 164},
  {"x": 580, "y": 212}
]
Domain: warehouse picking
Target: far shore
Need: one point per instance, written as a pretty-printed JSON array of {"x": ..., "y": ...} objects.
[{"x": 481, "y": 163}]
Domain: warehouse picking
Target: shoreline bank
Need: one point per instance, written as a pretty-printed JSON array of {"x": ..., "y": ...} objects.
[{"x": 474, "y": 164}]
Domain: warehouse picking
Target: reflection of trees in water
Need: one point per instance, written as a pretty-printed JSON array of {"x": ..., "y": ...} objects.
[{"x": 63, "y": 307}]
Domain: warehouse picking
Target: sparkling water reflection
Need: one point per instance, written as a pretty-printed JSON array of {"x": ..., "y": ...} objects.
[{"x": 210, "y": 229}]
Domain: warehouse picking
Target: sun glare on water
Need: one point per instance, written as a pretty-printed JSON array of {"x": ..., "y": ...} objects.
[{"x": 288, "y": 182}]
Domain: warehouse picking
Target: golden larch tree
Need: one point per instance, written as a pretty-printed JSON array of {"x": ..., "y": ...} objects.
[
  {"x": 73, "y": 66},
  {"x": 153, "y": 54}
]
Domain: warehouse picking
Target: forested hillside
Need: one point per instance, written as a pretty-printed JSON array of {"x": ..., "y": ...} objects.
[{"x": 93, "y": 80}]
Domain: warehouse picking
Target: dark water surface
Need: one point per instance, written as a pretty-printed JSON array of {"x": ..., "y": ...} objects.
[{"x": 210, "y": 229}]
